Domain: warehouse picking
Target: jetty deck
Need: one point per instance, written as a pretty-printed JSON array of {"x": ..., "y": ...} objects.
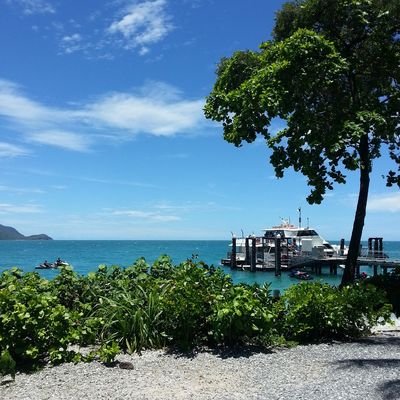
[{"x": 318, "y": 262}]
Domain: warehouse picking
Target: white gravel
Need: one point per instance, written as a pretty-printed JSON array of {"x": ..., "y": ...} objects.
[{"x": 366, "y": 369}]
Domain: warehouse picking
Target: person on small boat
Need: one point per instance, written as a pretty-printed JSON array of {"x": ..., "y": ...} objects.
[
  {"x": 60, "y": 263},
  {"x": 45, "y": 265},
  {"x": 302, "y": 275}
]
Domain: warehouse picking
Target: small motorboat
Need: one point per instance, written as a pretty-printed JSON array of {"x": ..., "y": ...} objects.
[
  {"x": 60, "y": 263},
  {"x": 301, "y": 275},
  {"x": 54, "y": 265},
  {"x": 46, "y": 265}
]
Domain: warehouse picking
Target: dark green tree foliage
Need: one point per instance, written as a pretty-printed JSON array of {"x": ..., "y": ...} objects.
[{"x": 332, "y": 72}]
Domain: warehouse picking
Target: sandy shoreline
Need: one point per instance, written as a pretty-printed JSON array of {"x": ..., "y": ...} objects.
[{"x": 365, "y": 369}]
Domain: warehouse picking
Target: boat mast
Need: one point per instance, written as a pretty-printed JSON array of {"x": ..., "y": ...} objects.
[{"x": 299, "y": 210}]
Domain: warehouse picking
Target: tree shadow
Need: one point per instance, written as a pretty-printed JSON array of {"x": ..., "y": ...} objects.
[
  {"x": 381, "y": 339},
  {"x": 370, "y": 363},
  {"x": 390, "y": 389},
  {"x": 223, "y": 352}
]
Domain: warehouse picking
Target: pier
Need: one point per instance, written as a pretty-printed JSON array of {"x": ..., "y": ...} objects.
[{"x": 285, "y": 257}]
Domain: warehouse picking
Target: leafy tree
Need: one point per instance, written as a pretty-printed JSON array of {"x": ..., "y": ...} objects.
[{"x": 332, "y": 72}]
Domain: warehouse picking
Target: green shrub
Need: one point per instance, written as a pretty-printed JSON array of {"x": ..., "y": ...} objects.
[
  {"x": 318, "y": 311},
  {"x": 241, "y": 314},
  {"x": 33, "y": 325},
  {"x": 391, "y": 285},
  {"x": 190, "y": 292},
  {"x": 132, "y": 319},
  {"x": 192, "y": 304}
]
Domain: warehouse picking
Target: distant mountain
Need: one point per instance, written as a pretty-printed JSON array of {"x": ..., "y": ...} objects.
[{"x": 9, "y": 233}]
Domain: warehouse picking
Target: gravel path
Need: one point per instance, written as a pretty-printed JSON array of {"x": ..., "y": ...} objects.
[{"x": 366, "y": 369}]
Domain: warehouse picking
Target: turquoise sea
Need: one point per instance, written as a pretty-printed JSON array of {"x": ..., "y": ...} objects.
[{"x": 87, "y": 255}]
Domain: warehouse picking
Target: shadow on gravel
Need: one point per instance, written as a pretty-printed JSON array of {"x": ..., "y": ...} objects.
[
  {"x": 390, "y": 390},
  {"x": 369, "y": 363},
  {"x": 222, "y": 352},
  {"x": 383, "y": 339}
]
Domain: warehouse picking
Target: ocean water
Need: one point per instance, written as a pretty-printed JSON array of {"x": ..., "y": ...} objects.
[{"x": 87, "y": 255}]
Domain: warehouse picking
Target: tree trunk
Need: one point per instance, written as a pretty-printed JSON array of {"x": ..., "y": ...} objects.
[{"x": 359, "y": 218}]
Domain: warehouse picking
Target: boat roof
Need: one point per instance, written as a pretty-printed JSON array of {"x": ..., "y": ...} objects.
[{"x": 287, "y": 227}]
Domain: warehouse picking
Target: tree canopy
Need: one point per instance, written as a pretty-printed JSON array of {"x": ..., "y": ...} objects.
[{"x": 332, "y": 72}]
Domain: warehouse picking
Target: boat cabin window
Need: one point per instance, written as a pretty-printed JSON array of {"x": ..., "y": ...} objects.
[
  {"x": 273, "y": 234},
  {"x": 307, "y": 232}
]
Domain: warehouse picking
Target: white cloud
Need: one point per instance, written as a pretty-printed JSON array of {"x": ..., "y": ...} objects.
[
  {"x": 156, "y": 109},
  {"x": 34, "y": 6},
  {"x": 13, "y": 104},
  {"x": 153, "y": 112},
  {"x": 11, "y": 150},
  {"x": 146, "y": 215},
  {"x": 142, "y": 24},
  {"x": 72, "y": 43},
  {"x": 385, "y": 203}
]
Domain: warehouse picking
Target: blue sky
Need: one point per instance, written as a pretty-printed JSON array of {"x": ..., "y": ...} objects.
[{"x": 102, "y": 134}]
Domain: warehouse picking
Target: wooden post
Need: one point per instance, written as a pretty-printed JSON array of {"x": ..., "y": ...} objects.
[
  {"x": 277, "y": 256},
  {"x": 376, "y": 247},
  {"x": 233, "y": 253},
  {"x": 247, "y": 258},
  {"x": 341, "y": 247},
  {"x": 253, "y": 255}
]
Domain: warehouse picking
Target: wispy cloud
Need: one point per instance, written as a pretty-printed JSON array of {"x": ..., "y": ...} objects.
[
  {"x": 117, "y": 182},
  {"x": 142, "y": 24},
  {"x": 131, "y": 25},
  {"x": 6, "y": 208},
  {"x": 149, "y": 216},
  {"x": 30, "y": 7},
  {"x": 11, "y": 150},
  {"x": 156, "y": 109},
  {"x": 72, "y": 43},
  {"x": 385, "y": 203},
  {"x": 58, "y": 138},
  {"x": 11, "y": 189}
]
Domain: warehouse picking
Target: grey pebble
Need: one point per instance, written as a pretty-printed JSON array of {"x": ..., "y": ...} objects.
[{"x": 368, "y": 369}]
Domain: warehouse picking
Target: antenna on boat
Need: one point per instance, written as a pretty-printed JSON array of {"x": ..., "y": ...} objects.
[
  {"x": 299, "y": 210},
  {"x": 308, "y": 222},
  {"x": 242, "y": 233}
]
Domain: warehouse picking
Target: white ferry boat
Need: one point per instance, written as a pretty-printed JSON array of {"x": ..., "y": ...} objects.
[{"x": 295, "y": 241}]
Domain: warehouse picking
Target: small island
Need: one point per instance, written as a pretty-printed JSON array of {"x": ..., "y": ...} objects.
[{"x": 9, "y": 233}]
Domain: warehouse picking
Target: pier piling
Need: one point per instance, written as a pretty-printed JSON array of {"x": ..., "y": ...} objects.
[
  {"x": 233, "y": 254},
  {"x": 253, "y": 255},
  {"x": 277, "y": 256}
]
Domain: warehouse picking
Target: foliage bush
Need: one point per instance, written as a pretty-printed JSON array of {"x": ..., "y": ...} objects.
[
  {"x": 190, "y": 293},
  {"x": 34, "y": 325},
  {"x": 187, "y": 305},
  {"x": 318, "y": 311},
  {"x": 239, "y": 314},
  {"x": 390, "y": 283}
]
